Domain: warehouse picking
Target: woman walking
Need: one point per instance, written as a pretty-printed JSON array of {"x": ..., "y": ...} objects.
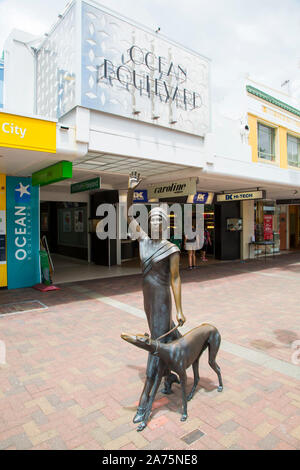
[
  {"x": 191, "y": 245},
  {"x": 207, "y": 241}
]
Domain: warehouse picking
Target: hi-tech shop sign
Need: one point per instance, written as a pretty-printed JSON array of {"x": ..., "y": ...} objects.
[
  {"x": 131, "y": 72},
  {"x": 243, "y": 196}
]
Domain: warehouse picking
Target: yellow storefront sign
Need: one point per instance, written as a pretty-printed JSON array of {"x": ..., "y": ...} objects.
[
  {"x": 27, "y": 133},
  {"x": 3, "y": 265}
]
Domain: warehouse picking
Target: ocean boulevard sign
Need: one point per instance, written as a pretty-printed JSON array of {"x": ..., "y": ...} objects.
[
  {"x": 132, "y": 72},
  {"x": 159, "y": 87},
  {"x": 243, "y": 196},
  {"x": 172, "y": 189},
  {"x": 3, "y": 265},
  {"x": 23, "y": 265}
]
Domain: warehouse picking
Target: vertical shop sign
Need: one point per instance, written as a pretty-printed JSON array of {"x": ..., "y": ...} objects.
[
  {"x": 268, "y": 227},
  {"x": 23, "y": 261},
  {"x": 3, "y": 265}
]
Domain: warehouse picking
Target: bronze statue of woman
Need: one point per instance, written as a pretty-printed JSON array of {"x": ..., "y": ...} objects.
[{"x": 160, "y": 267}]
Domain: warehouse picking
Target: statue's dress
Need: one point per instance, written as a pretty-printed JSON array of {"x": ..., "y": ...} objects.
[{"x": 155, "y": 258}]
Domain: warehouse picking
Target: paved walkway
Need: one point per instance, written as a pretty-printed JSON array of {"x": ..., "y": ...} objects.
[{"x": 70, "y": 382}]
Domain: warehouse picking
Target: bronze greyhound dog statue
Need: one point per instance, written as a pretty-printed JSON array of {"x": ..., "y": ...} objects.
[{"x": 177, "y": 356}]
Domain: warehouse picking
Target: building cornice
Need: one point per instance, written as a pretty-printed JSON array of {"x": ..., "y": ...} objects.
[{"x": 266, "y": 97}]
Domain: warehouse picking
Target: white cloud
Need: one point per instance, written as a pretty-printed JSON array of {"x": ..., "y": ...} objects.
[
  {"x": 260, "y": 37},
  {"x": 33, "y": 16}
]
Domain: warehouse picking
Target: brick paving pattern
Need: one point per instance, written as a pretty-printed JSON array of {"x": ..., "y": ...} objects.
[{"x": 70, "y": 382}]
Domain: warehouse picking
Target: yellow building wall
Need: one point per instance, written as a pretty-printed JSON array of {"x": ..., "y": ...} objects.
[
  {"x": 283, "y": 147},
  {"x": 281, "y": 140},
  {"x": 252, "y": 122},
  {"x": 3, "y": 267}
]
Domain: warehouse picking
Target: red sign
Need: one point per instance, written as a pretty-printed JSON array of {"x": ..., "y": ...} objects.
[{"x": 268, "y": 227}]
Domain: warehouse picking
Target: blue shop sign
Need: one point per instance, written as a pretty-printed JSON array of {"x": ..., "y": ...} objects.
[
  {"x": 200, "y": 198},
  {"x": 140, "y": 195},
  {"x": 23, "y": 260}
]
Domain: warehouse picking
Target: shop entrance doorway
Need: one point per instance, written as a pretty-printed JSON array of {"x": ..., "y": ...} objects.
[
  {"x": 294, "y": 227},
  {"x": 209, "y": 228},
  {"x": 228, "y": 244},
  {"x": 283, "y": 230},
  {"x": 64, "y": 226},
  {"x": 207, "y": 252}
]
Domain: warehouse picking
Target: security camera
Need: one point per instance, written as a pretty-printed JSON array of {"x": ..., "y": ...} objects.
[{"x": 244, "y": 131}]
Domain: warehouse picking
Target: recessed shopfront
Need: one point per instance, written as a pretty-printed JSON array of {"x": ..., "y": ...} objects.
[
  {"x": 267, "y": 227},
  {"x": 289, "y": 224},
  {"x": 65, "y": 226}
]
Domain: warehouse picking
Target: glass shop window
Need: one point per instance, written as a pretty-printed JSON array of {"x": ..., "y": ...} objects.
[
  {"x": 267, "y": 224},
  {"x": 293, "y": 150},
  {"x": 266, "y": 142}
]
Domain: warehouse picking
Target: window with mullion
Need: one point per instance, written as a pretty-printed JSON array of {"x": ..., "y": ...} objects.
[
  {"x": 293, "y": 150},
  {"x": 266, "y": 142}
]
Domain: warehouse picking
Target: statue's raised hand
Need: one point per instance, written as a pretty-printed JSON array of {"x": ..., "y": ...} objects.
[{"x": 134, "y": 180}]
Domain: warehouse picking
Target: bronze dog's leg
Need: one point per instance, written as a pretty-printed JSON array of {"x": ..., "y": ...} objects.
[
  {"x": 170, "y": 377},
  {"x": 156, "y": 384},
  {"x": 183, "y": 381},
  {"x": 139, "y": 416},
  {"x": 196, "y": 378},
  {"x": 213, "y": 348},
  {"x": 217, "y": 370},
  {"x": 152, "y": 367}
]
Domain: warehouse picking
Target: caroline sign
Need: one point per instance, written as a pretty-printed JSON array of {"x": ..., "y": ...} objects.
[
  {"x": 172, "y": 189},
  {"x": 132, "y": 72}
]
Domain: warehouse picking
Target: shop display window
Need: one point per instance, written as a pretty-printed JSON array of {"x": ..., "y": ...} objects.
[
  {"x": 293, "y": 149},
  {"x": 266, "y": 225}
]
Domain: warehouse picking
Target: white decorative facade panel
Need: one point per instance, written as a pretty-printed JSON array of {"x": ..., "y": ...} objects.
[
  {"x": 56, "y": 75},
  {"x": 124, "y": 70},
  {"x": 134, "y": 73}
]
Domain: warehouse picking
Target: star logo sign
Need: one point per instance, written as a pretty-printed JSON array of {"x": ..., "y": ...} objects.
[{"x": 22, "y": 193}]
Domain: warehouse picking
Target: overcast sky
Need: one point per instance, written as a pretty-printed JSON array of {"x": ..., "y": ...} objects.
[{"x": 258, "y": 37}]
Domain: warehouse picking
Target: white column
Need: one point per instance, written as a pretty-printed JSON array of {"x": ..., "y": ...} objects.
[
  {"x": 89, "y": 235},
  {"x": 287, "y": 228},
  {"x": 122, "y": 201},
  {"x": 247, "y": 214}
]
